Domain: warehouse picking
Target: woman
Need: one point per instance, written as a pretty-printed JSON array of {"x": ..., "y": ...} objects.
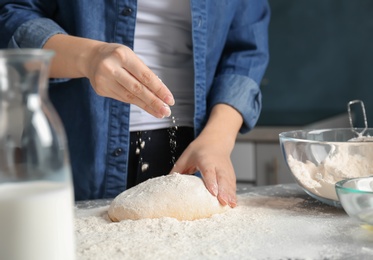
[{"x": 110, "y": 54}]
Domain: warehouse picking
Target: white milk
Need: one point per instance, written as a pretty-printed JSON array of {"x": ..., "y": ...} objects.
[{"x": 36, "y": 221}]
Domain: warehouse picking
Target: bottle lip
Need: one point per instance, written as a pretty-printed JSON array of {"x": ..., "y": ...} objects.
[{"x": 26, "y": 53}]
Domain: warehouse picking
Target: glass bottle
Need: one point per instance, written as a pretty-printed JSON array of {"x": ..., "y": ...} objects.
[{"x": 36, "y": 194}]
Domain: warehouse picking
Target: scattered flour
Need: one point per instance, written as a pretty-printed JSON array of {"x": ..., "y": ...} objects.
[
  {"x": 342, "y": 162},
  {"x": 258, "y": 228}
]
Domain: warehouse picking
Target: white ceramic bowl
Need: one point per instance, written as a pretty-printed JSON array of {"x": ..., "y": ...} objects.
[{"x": 318, "y": 159}]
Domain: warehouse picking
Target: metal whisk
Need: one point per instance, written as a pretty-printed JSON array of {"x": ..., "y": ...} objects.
[{"x": 360, "y": 135}]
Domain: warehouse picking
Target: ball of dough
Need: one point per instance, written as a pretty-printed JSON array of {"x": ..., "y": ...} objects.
[{"x": 179, "y": 196}]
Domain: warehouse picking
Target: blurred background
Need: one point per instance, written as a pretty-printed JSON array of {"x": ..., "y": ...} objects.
[{"x": 321, "y": 57}]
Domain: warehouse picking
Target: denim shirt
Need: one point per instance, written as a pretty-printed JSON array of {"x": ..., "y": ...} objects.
[{"x": 230, "y": 57}]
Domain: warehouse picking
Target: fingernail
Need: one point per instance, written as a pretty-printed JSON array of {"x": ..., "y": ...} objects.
[
  {"x": 166, "y": 111},
  {"x": 170, "y": 100},
  {"x": 214, "y": 190},
  {"x": 232, "y": 202},
  {"x": 224, "y": 200}
]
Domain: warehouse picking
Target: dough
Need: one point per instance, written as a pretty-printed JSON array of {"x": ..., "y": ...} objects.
[{"x": 179, "y": 196}]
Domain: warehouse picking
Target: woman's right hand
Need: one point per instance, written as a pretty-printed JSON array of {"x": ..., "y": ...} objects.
[{"x": 114, "y": 71}]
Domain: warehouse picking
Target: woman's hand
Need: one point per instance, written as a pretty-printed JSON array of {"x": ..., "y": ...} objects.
[
  {"x": 114, "y": 71},
  {"x": 210, "y": 154}
]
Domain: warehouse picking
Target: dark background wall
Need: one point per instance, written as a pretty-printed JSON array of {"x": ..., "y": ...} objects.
[{"x": 321, "y": 58}]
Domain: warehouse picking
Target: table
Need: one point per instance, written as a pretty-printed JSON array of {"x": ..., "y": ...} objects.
[{"x": 270, "y": 222}]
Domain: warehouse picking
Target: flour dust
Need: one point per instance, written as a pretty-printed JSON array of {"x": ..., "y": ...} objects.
[
  {"x": 172, "y": 136},
  {"x": 245, "y": 232},
  {"x": 141, "y": 144}
]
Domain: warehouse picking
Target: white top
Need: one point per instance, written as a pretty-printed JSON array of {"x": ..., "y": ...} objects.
[{"x": 163, "y": 40}]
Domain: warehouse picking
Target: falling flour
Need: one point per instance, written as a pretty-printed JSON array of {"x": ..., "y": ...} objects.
[
  {"x": 258, "y": 228},
  {"x": 344, "y": 161},
  {"x": 172, "y": 135},
  {"x": 140, "y": 144}
]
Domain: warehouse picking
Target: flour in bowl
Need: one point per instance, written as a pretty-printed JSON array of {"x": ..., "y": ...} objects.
[{"x": 342, "y": 163}]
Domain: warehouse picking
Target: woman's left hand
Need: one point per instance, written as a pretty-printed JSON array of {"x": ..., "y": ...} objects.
[{"x": 210, "y": 154}]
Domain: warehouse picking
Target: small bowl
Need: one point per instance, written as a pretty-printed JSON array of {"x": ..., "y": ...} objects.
[
  {"x": 356, "y": 198},
  {"x": 318, "y": 159}
]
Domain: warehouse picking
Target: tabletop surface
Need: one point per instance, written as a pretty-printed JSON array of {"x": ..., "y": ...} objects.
[{"x": 270, "y": 222}]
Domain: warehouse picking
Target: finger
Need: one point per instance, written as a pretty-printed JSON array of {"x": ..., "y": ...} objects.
[
  {"x": 209, "y": 177},
  {"x": 181, "y": 166},
  {"x": 123, "y": 95},
  {"x": 148, "y": 79},
  {"x": 227, "y": 188},
  {"x": 140, "y": 91}
]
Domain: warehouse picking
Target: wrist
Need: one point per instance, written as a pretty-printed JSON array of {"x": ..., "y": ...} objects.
[
  {"x": 85, "y": 59},
  {"x": 223, "y": 124},
  {"x": 73, "y": 55}
]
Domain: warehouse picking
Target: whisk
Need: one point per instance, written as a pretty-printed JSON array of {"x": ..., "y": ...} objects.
[{"x": 360, "y": 135}]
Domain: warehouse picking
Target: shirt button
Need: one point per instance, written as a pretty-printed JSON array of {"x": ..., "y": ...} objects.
[
  {"x": 118, "y": 152},
  {"x": 127, "y": 11}
]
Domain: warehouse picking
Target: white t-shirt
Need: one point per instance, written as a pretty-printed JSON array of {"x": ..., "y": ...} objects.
[{"x": 163, "y": 40}]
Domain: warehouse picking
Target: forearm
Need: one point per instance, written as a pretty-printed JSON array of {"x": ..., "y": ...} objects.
[
  {"x": 113, "y": 70},
  {"x": 223, "y": 125},
  {"x": 71, "y": 55}
]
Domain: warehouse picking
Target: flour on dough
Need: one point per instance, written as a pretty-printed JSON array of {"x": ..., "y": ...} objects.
[{"x": 179, "y": 196}]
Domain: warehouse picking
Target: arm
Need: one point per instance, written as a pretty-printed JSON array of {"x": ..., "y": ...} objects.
[
  {"x": 234, "y": 100},
  {"x": 26, "y": 23},
  {"x": 243, "y": 62},
  {"x": 113, "y": 69},
  {"x": 210, "y": 154}
]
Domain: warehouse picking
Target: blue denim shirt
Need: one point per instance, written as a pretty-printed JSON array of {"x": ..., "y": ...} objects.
[{"x": 230, "y": 57}]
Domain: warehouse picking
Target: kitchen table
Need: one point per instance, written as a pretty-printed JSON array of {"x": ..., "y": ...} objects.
[{"x": 270, "y": 222}]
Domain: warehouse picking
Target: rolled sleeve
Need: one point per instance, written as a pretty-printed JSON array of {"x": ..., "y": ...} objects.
[
  {"x": 243, "y": 63},
  {"x": 34, "y": 33},
  {"x": 241, "y": 93}
]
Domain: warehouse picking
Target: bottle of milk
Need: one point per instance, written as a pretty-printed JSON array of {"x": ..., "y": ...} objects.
[{"x": 36, "y": 194}]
